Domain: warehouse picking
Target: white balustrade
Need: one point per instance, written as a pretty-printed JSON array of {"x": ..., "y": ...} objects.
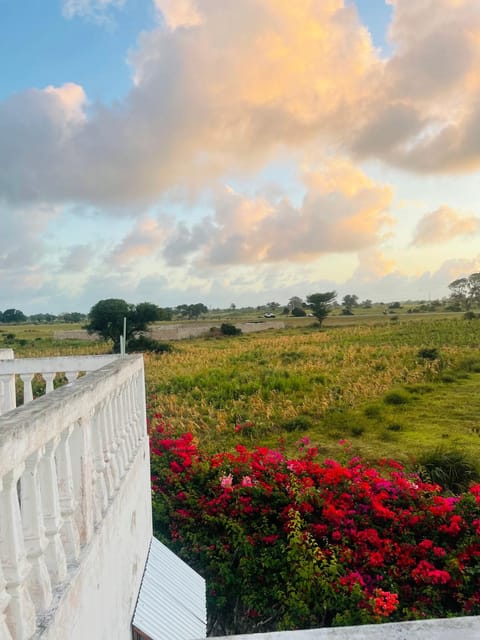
[
  {"x": 63, "y": 458},
  {"x": 47, "y": 368}
]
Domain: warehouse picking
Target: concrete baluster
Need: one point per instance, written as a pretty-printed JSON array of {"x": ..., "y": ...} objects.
[
  {"x": 36, "y": 542},
  {"x": 8, "y": 398},
  {"x": 132, "y": 425},
  {"x": 127, "y": 422},
  {"x": 119, "y": 431},
  {"x": 71, "y": 376},
  {"x": 115, "y": 433},
  {"x": 100, "y": 491},
  {"x": 20, "y": 611},
  {"x": 69, "y": 532},
  {"x": 82, "y": 467},
  {"x": 4, "y": 601},
  {"x": 55, "y": 553},
  {"x": 49, "y": 378},
  {"x": 111, "y": 442},
  {"x": 27, "y": 387},
  {"x": 140, "y": 404},
  {"x": 135, "y": 410},
  {"x": 108, "y": 469}
]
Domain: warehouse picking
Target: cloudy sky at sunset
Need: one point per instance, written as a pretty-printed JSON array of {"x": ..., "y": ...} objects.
[{"x": 221, "y": 151}]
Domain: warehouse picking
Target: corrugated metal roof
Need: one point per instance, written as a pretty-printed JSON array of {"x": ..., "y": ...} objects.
[{"x": 171, "y": 602}]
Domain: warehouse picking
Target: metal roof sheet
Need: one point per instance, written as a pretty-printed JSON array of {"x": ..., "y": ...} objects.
[{"x": 171, "y": 602}]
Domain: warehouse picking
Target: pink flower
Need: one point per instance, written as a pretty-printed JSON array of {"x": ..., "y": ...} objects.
[
  {"x": 246, "y": 481},
  {"x": 226, "y": 481}
]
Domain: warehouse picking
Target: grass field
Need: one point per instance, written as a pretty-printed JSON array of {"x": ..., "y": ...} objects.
[
  {"x": 366, "y": 384},
  {"x": 362, "y": 379}
]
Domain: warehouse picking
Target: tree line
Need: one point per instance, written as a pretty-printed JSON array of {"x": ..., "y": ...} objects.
[{"x": 15, "y": 316}]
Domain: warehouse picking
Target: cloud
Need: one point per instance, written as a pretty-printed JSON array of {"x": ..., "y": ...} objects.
[
  {"x": 222, "y": 87},
  {"x": 445, "y": 224},
  {"x": 179, "y": 13},
  {"x": 225, "y": 94},
  {"x": 21, "y": 230},
  {"x": 424, "y": 115},
  {"x": 143, "y": 241},
  {"x": 342, "y": 211},
  {"x": 78, "y": 258},
  {"x": 36, "y": 128},
  {"x": 97, "y": 10}
]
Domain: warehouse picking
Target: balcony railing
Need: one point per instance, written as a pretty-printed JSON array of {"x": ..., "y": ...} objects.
[{"x": 63, "y": 458}]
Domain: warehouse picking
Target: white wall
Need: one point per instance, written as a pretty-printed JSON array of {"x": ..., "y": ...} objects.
[
  {"x": 100, "y": 600},
  {"x": 440, "y": 629}
]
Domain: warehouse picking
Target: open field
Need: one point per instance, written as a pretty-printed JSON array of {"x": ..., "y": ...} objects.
[{"x": 331, "y": 384}]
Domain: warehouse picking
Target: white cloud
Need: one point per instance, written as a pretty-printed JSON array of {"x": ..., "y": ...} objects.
[
  {"x": 97, "y": 10},
  {"x": 179, "y": 13}
]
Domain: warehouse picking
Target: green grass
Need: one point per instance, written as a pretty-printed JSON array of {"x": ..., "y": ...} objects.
[{"x": 369, "y": 383}]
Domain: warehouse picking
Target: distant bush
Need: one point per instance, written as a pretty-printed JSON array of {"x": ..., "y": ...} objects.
[
  {"x": 394, "y": 426},
  {"x": 298, "y": 423},
  {"x": 298, "y": 312},
  {"x": 145, "y": 343},
  {"x": 373, "y": 411},
  {"x": 397, "y": 397},
  {"x": 452, "y": 469},
  {"x": 229, "y": 329},
  {"x": 470, "y": 315},
  {"x": 428, "y": 353}
]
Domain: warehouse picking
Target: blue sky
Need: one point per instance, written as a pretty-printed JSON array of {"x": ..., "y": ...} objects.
[{"x": 215, "y": 151}]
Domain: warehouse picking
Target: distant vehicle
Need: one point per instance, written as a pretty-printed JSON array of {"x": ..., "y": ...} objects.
[{"x": 269, "y": 315}]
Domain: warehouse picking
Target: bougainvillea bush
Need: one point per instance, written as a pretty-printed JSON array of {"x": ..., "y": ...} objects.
[{"x": 288, "y": 543}]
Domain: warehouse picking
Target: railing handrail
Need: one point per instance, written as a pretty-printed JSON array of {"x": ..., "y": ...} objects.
[
  {"x": 39, "y": 421},
  {"x": 55, "y": 363},
  {"x": 63, "y": 460}
]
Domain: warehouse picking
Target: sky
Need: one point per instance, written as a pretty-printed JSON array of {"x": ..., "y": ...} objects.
[{"x": 226, "y": 151}]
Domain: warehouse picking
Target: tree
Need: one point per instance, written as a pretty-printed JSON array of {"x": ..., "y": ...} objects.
[
  {"x": 273, "y": 306},
  {"x": 295, "y": 303},
  {"x": 320, "y": 304},
  {"x": 191, "y": 311},
  {"x": 42, "y": 318},
  {"x": 106, "y": 319},
  {"x": 466, "y": 291},
  {"x": 349, "y": 301},
  {"x": 72, "y": 316},
  {"x": 14, "y": 316}
]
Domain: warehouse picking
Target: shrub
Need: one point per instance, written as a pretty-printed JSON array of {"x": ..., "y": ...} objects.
[
  {"x": 229, "y": 329},
  {"x": 357, "y": 430},
  {"x": 145, "y": 343},
  {"x": 451, "y": 468},
  {"x": 298, "y": 312},
  {"x": 373, "y": 411},
  {"x": 470, "y": 315},
  {"x": 397, "y": 397},
  {"x": 394, "y": 426},
  {"x": 428, "y": 353},
  {"x": 287, "y": 543},
  {"x": 298, "y": 423}
]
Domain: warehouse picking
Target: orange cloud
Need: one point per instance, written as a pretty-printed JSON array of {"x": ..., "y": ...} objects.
[
  {"x": 443, "y": 225},
  {"x": 342, "y": 211}
]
